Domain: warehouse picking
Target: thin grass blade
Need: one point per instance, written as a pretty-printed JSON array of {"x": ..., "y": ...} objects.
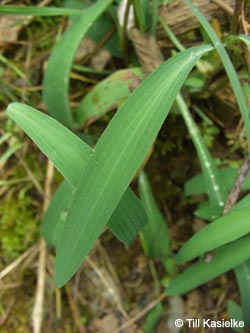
[
  {"x": 242, "y": 273},
  {"x": 235, "y": 312},
  {"x": 215, "y": 189},
  {"x": 56, "y": 79},
  {"x": 37, "y": 11},
  {"x": 234, "y": 80},
  {"x": 155, "y": 235},
  {"x": 196, "y": 185},
  {"x": 201, "y": 272},
  {"x": 225, "y": 229}
]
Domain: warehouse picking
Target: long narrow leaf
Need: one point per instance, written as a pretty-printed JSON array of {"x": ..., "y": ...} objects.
[
  {"x": 242, "y": 273},
  {"x": 70, "y": 156},
  {"x": 216, "y": 191},
  {"x": 36, "y": 11},
  {"x": 56, "y": 79},
  {"x": 155, "y": 233},
  {"x": 125, "y": 223},
  {"x": 117, "y": 157},
  {"x": 196, "y": 185},
  {"x": 225, "y": 229},
  {"x": 55, "y": 216},
  {"x": 225, "y": 258},
  {"x": 234, "y": 80},
  {"x": 245, "y": 39},
  {"x": 235, "y": 312}
]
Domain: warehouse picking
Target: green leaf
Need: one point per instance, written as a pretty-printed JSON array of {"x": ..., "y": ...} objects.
[
  {"x": 225, "y": 229},
  {"x": 235, "y": 312},
  {"x": 55, "y": 216},
  {"x": 125, "y": 223},
  {"x": 66, "y": 151},
  {"x": 155, "y": 235},
  {"x": 152, "y": 319},
  {"x": 245, "y": 39},
  {"x": 56, "y": 79},
  {"x": 70, "y": 156},
  {"x": 242, "y": 273},
  {"x": 216, "y": 192},
  {"x": 207, "y": 212},
  {"x": 101, "y": 28},
  {"x": 196, "y": 185},
  {"x": 229, "y": 68},
  {"x": 118, "y": 155},
  {"x": 36, "y": 11},
  {"x": 224, "y": 259},
  {"x": 107, "y": 95}
]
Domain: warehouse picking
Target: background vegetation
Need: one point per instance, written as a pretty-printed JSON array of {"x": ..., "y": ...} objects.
[{"x": 80, "y": 62}]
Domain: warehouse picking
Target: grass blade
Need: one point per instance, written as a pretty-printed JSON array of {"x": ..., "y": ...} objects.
[
  {"x": 235, "y": 312},
  {"x": 245, "y": 39},
  {"x": 71, "y": 160},
  {"x": 118, "y": 155},
  {"x": 242, "y": 273},
  {"x": 196, "y": 185},
  {"x": 202, "y": 272},
  {"x": 234, "y": 80},
  {"x": 37, "y": 11},
  {"x": 215, "y": 189},
  {"x": 155, "y": 234},
  {"x": 225, "y": 229},
  {"x": 56, "y": 79}
]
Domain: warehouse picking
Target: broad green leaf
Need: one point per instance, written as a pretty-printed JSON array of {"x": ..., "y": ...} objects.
[
  {"x": 242, "y": 273},
  {"x": 224, "y": 259},
  {"x": 196, "y": 185},
  {"x": 118, "y": 155},
  {"x": 216, "y": 192},
  {"x": 36, "y": 11},
  {"x": 155, "y": 235},
  {"x": 70, "y": 156},
  {"x": 125, "y": 223},
  {"x": 66, "y": 151},
  {"x": 107, "y": 95},
  {"x": 56, "y": 79},
  {"x": 55, "y": 216},
  {"x": 225, "y": 229}
]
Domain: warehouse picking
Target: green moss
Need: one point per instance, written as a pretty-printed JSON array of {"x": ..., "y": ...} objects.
[{"x": 17, "y": 225}]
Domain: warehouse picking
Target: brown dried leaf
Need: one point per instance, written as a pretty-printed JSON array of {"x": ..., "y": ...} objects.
[{"x": 9, "y": 29}]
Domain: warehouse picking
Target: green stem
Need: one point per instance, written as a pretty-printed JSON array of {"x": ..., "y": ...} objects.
[{"x": 154, "y": 18}]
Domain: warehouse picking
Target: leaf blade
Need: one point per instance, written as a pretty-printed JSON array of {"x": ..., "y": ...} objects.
[
  {"x": 56, "y": 79},
  {"x": 225, "y": 229},
  {"x": 37, "y": 11},
  {"x": 202, "y": 272},
  {"x": 70, "y": 159},
  {"x": 117, "y": 157},
  {"x": 155, "y": 234}
]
